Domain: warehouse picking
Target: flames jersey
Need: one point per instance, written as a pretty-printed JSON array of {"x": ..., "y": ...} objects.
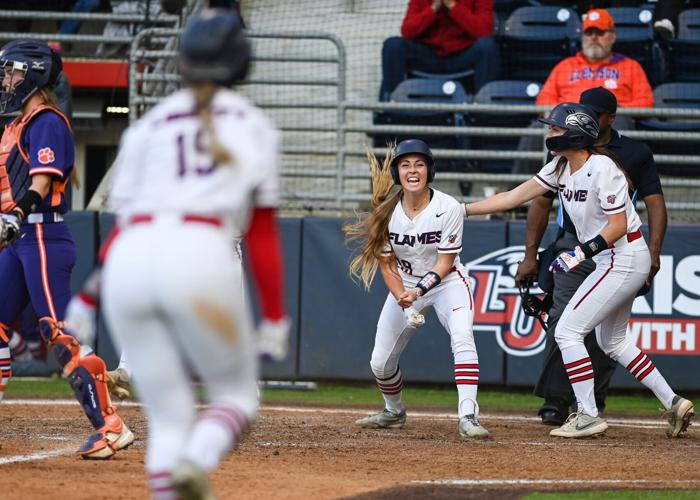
[
  {"x": 417, "y": 243},
  {"x": 164, "y": 165},
  {"x": 595, "y": 191}
]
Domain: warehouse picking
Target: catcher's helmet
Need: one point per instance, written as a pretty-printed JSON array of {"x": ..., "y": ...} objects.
[
  {"x": 27, "y": 65},
  {"x": 213, "y": 48},
  {"x": 411, "y": 146},
  {"x": 533, "y": 305},
  {"x": 581, "y": 123}
]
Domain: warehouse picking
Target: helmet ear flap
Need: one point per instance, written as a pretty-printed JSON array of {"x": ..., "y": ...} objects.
[
  {"x": 394, "y": 168},
  {"x": 431, "y": 172},
  {"x": 56, "y": 68}
]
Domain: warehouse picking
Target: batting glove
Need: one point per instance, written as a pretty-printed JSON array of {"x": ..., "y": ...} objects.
[
  {"x": 9, "y": 228},
  {"x": 568, "y": 261},
  {"x": 81, "y": 318},
  {"x": 414, "y": 318},
  {"x": 273, "y": 339}
]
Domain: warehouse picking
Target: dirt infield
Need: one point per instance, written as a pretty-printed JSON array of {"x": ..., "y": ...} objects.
[{"x": 306, "y": 452}]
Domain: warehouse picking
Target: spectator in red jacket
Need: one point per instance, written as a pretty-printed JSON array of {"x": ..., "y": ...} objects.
[{"x": 442, "y": 36}]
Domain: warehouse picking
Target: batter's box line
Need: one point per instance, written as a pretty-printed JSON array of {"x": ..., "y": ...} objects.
[
  {"x": 542, "y": 482},
  {"x": 620, "y": 422}
]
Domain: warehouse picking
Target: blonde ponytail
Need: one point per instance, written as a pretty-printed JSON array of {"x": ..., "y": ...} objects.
[
  {"x": 373, "y": 227},
  {"x": 203, "y": 97}
]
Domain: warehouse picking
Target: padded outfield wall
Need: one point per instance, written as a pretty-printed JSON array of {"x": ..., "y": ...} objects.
[{"x": 334, "y": 319}]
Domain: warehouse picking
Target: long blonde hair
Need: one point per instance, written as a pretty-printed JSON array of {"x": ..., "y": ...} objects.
[
  {"x": 373, "y": 227},
  {"x": 203, "y": 97}
]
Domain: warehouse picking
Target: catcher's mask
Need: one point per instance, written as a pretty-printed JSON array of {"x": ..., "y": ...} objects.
[
  {"x": 533, "y": 305},
  {"x": 27, "y": 66}
]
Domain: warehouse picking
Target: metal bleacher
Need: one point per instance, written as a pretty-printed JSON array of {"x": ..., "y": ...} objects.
[{"x": 311, "y": 82}]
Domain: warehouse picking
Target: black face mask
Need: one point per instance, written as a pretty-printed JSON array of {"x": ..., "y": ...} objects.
[{"x": 564, "y": 142}]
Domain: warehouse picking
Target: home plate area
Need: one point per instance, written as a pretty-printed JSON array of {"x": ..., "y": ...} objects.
[{"x": 309, "y": 451}]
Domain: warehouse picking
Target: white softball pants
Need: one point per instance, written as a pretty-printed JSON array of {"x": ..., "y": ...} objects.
[
  {"x": 454, "y": 306},
  {"x": 604, "y": 300},
  {"x": 172, "y": 299}
]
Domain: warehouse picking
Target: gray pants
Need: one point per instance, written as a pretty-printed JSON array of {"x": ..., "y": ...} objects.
[{"x": 553, "y": 384}]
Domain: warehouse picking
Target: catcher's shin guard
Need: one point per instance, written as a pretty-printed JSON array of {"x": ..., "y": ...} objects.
[{"x": 87, "y": 376}]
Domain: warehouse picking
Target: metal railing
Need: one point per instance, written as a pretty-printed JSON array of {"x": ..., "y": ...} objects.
[{"x": 330, "y": 174}]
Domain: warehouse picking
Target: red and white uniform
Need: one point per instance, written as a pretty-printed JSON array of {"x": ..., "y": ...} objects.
[
  {"x": 416, "y": 243},
  {"x": 604, "y": 300},
  {"x": 172, "y": 281}
]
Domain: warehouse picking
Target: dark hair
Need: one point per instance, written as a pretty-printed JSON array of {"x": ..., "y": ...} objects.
[{"x": 595, "y": 150}]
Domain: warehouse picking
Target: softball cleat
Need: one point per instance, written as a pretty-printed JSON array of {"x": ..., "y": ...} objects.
[
  {"x": 580, "y": 425},
  {"x": 191, "y": 482},
  {"x": 96, "y": 448},
  {"x": 469, "y": 426},
  {"x": 385, "y": 419},
  {"x": 679, "y": 416},
  {"x": 117, "y": 433}
]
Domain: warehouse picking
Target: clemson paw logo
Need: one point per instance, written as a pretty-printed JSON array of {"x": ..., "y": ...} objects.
[{"x": 46, "y": 156}]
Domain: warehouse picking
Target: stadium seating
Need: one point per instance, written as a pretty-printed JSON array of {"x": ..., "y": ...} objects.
[
  {"x": 674, "y": 95},
  {"x": 426, "y": 90},
  {"x": 465, "y": 77},
  {"x": 535, "y": 39},
  {"x": 635, "y": 39},
  {"x": 684, "y": 51},
  {"x": 501, "y": 92}
]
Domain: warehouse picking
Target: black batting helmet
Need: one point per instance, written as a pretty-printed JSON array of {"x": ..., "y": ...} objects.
[
  {"x": 213, "y": 48},
  {"x": 580, "y": 122},
  {"x": 32, "y": 65},
  {"x": 411, "y": 146}
]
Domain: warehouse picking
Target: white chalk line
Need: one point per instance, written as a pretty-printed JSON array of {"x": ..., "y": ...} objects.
[
  {"x": 620, "y": 422},
  {"x": 541, "y": 482},
  {"x": 42, "y": 455}
]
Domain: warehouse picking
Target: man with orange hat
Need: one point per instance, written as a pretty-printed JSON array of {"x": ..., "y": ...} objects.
[{"x": 596, "y": 65}]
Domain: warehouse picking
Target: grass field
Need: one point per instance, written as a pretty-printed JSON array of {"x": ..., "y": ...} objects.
[{"x": 328, "y": 393}]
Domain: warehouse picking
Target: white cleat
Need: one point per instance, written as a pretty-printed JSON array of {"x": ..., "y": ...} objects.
[
  {"x": 469, "y": 426},
  {"x": 580, "y": 425},
  {"x": 191, "y": 482},
  {"x": 385, "y": 419},
  {"x": 679, "y": 416}
]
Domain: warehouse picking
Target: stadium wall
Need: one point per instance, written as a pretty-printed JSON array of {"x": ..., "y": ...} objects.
[{"x": 334, "y": 319}]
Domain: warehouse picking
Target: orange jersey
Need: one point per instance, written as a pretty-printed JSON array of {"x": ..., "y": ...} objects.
[{"x": 621, "y": 75}]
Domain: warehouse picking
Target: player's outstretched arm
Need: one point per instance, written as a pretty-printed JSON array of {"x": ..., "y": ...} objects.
[
  {"x": 507, "y": 200},
  {"x": 265, "y": 255}
]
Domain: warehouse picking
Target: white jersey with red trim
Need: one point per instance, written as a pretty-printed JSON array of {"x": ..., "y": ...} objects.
[
  {"x": 598, "y": 189},
  {"x": 417, "y": 242},
  {"x": 164, "y": 165}
]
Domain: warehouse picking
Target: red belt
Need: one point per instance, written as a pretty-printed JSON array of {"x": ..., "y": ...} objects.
[
  {"x": 145, "y": 218},
  {"x": 634, "y": 236}
]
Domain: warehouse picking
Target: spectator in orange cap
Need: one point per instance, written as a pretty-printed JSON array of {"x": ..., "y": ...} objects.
[{"x": 596, "y": 65}]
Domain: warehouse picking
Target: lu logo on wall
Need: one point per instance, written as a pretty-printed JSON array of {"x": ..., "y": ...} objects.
[{"x": 666, "y": 321}]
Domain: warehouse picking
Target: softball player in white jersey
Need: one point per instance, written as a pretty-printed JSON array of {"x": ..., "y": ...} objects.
[
  {"x": 594, "y": 192},
  {"x": 418, "y": 256},
  {"x": 171, "y": 285}
]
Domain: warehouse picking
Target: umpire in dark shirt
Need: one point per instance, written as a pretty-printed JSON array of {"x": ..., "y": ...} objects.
[{"x": 637, "y": 160}]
